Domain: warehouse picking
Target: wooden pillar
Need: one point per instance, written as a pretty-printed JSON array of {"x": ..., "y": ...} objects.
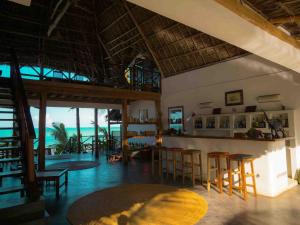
[
  {"x": 159, "y": 123},
  {"x": 108, "y": 123},
  {"x": 96, "y": 135},
  {"x": 124, "y": 130},
  {"x": 42, "y": 131},
  {"x": 78, "y": 131}
]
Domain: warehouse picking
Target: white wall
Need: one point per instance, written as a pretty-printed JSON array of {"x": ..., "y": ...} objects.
[
  {"x": 253, "y": 74},
  {"x": 256, "y": 76}
]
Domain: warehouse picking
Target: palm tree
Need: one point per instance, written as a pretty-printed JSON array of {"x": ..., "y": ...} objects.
[{"x": 60, "y": 134}]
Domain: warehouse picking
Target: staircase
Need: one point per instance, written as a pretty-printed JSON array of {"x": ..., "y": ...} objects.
[
  {"x": 10, "y": 149},
  {"x": 20, "y": 201}
]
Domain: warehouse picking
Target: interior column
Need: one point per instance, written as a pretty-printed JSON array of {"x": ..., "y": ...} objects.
[
  {"x": 78, "y": 131},
  {"x": 96, "y": 135},
  {"x": 42, "y": 131},
  {"x": 124, "y": 130}
]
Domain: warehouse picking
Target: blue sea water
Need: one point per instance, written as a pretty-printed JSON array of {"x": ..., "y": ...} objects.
[{"x": 50, "y": 140}]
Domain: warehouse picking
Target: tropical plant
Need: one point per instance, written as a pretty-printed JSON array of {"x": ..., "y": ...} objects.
[{"x": 60, "y": 134}]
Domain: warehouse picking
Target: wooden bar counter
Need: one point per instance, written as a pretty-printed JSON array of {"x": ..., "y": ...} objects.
[{"x": 270, "y": 164}]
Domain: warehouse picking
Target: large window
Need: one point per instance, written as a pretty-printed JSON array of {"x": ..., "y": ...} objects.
[{"x": 33, "y": 73}]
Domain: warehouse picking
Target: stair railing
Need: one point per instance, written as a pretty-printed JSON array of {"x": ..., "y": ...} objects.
[{"x": 26, "y": 128}]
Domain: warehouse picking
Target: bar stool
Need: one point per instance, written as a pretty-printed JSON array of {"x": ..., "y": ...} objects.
[
  {"x": 217, "y": 156},
  {"x": 241, "y": 159},
  {"x": 163, "y": 156},
  {"x": 188, "y": 164},
  {"x": 171, "y": 160},
  {"x": 155, "y": 158}
]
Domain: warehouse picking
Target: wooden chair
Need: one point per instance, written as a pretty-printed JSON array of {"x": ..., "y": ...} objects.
[
  {"x": 217, "y": 157},
  {"x": 241, "y": 159}
]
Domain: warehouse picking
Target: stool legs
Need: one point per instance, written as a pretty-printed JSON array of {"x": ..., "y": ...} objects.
[
  {"x": 230, "y": 177},
  {"x": 242, "y": 175},
  {"x": 200, "y": 164},
  {"x": 193, "y": 173},
  {"x": 219, "y": 175},
  {"x": 208, "y": 174},
  {"x": 174, "y": 166},
  {"x": 253, "y": 178}
]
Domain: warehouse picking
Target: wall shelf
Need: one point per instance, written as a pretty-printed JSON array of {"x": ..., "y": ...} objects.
[{"x": 242, "y": 122}]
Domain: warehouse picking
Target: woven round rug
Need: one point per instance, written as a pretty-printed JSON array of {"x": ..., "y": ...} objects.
[
  {"x": 73, "y": 165},
  {"x": 139, "y": 204}
]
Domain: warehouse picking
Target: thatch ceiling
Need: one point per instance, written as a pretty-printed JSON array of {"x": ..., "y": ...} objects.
[
  {"x": 282, "y": 13},
  {"x": 93, "y": 35}
]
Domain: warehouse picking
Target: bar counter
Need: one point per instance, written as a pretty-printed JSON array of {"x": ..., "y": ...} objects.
[
  {"x": 270, "y": 165},
  {"x": 228, "y": 138}
]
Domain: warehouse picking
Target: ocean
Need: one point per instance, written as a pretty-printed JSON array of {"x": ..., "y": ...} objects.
[{"x": 50, "y": 140}]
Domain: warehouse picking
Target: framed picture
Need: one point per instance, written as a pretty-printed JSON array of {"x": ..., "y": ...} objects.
[
  {"x": 234, "y": 98},
  {"x": 176, "y": 118}
]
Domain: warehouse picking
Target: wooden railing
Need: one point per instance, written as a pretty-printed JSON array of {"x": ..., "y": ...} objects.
[{"x": 26, "y": 128}]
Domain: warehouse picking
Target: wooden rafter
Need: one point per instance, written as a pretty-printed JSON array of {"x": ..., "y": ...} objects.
[
  {"x": 153, "y": 53},
  {"x": 195, "y": 51},
  {"x": 92, "y": 91},
  {"x": 250, "y": 15},
  {"x": 285, "y": 19},
  {"x": 59, "y": 16}
]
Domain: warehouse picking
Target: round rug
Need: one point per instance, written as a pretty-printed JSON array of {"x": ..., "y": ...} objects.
[
  {"x": 73, "y": 165},
  {"x": 138, "y": 204}
]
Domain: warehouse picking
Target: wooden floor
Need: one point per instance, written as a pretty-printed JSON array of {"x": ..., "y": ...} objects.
[{"x": 223, "y": 209}]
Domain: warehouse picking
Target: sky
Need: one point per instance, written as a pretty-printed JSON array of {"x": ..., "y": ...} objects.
[{"x": 68, "y": 116}]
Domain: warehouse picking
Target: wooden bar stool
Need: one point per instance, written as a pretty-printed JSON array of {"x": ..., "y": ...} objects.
[
  {"x": 171, "y": 160},
  {"x": 162, "y": 160},
  {"x": 155, "y": 158},
  {"x": 188, "y": 164},
  {"x": 241, "y": 159},
  {"x": 217, "y": 157}
]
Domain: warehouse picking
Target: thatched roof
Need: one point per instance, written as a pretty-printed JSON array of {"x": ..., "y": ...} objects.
[
  {"x": 101, "y": 38},
  {"x": 283, "y": 13}
]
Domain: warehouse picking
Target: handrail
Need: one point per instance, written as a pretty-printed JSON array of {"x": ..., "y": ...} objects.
[
  {"x": 26, "y": 129},
  {"x": 21, "y": 100}
]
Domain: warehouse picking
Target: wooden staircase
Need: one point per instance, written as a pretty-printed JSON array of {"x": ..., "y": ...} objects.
[
  {"x": 10, "y": 149},
  {"x": 18, "y": 186}
]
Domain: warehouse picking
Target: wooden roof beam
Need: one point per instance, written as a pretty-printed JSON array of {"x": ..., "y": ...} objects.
[
  {"x": 85, "y": 90},
  {"x": 153, "y": 53},
  {"x": 195, "y": 51},
  {"x": 285, "y": 19},
  {"x": 44, "y": 38},
  {"x": 59, "y": 16}
]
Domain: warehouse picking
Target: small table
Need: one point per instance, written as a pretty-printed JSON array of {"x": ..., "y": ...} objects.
[{"x": 53, "y": 175}]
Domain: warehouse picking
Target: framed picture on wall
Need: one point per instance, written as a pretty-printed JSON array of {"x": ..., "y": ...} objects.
[
  {"x": 234, "y": 98},
  {"x": 176, "y": 118}
]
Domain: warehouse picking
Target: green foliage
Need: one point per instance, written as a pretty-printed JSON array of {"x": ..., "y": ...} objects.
[{"x": 60, "y": 134}]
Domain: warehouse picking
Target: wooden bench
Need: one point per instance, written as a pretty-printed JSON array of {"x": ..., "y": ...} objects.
[{"x": 53, "y": 175}]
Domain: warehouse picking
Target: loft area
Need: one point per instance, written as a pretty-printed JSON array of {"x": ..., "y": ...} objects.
[
  {"x": 102, "y": 47},
  {"x": 138, "y": 76}
]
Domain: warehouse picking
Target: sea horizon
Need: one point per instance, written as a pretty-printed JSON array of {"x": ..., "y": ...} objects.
[{"x": 50, "y": 140}]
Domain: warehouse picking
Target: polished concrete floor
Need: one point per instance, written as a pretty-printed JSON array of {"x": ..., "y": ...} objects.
[{"x": 285, "y": 209}]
